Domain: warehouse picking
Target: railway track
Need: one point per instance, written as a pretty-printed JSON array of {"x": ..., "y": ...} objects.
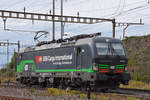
[
  {"x": 132, "y": 91},
  {"x": 12, "y": 98},
  {"x": 139, "y": 93},
  {"x": 127, "y": 91}
]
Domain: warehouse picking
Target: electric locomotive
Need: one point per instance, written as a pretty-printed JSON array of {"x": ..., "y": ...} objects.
[{"x": 81, "y": 61}]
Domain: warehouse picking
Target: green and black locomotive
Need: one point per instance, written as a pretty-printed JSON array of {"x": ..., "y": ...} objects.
[{"x": 79, "y": 61}]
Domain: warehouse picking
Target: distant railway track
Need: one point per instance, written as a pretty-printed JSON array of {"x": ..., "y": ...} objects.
[
  {"x": 131, "y": 91},
  {"x": 139, "y": 93},
  {"x": 20, "y": 86},
  {"x": 11, "y": 85},
  {"x": 12, "y": 98}
]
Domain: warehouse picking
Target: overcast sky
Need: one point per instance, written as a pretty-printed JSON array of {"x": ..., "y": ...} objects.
[{"x": 121, "y": 10}]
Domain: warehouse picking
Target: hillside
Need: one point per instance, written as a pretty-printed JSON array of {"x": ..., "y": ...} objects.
[{"x": 138, "y": 49}]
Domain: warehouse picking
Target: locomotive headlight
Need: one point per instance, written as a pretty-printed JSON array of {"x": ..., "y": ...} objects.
[
  {"x": 95, "y": 67},
  {"x": 126, "y": 68}
]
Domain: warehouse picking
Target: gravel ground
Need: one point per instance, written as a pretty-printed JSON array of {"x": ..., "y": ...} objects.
[{"x": 25, "y": 93}]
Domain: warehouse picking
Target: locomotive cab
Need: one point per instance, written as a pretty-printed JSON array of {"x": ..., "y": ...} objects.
[{"x": 110, "y": 61}]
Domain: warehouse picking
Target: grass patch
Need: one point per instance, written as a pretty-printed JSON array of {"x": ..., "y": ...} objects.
[
  {"x": 76, "y": 94},
  {"x": 4, "y": 79},
  {"x": 57, "y": 92},
  {"x": 137, "y": 85}
]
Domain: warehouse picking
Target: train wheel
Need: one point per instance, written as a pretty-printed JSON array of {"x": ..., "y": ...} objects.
[
  {"x": 29, "y": 84},
  {"x": 61, "y": 84},
  {"x": 105, "y": 90},
  {"x": 85, "y": 86},
  {"x": 68, "y": 88}
]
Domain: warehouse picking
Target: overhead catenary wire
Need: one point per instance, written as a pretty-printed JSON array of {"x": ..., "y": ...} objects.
[
  {"x": 135, "y": 17},
  {"x": 115, "y": 12},
  {"x": 119, "y": 9},
  {"x": 20, "y": 30},
  {"x": 15, "y": 30},
  {"x": 15, "y": 3},
  {"x": 126, "y": 11},
  {"x": 133, "y": 10},
  {"x": 129, "y": 10},
  {"x": 122, "y": 6},
  {"x": 77, "y": 3},
  {"x": 83, "y": 0},
  {"x": 112, "y": 7}
]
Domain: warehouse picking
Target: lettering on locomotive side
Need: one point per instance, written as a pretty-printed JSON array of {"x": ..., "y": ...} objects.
[
  {"x": 65, "y": 59},
  {"x": 56, "y": 58}
]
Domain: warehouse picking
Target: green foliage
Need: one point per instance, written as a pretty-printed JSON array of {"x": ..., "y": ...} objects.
[
  {"x": 132, "y": 60},
  {"x": 137, "y": 85},
  {"x": 82, "y": 95},
  {"x": 133, "y": 98},
  {"x": 138, "y": 50},
  {"x": 129, "y": 38},
  {"x": 136, "y": 37},
  {"x": 11, "y": 66},
  {"x": 145, "y": 51},
  {"x": 59, "y": 92}
]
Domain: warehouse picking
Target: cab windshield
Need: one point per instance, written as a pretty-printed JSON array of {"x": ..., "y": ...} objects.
[{"x": 110, "y": 48}]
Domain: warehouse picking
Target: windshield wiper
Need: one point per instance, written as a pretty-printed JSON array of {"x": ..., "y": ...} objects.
[
  {"x": 113, "y": 51},
  {"x": 108, "y": 50}
]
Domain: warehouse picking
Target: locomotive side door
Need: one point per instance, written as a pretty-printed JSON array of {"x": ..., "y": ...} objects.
[
  {"x": 79, "y": 57},
  {"x": 28, "y": 68}
]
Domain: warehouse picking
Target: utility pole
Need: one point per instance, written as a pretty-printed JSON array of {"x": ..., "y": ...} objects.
[
  {"x": 53, "y": 21},
  {"x": 7, "y": 76},
  {"x": 113, "y": 28},
  {"x": 14, "y": 65},
  {"x": 118, "y": 24},
  {"x": 4, "y": 20},
  {"x": 124, "y": 30},
  {"x": 18, "y": 46},
  {"x": 62, "y": 26}
]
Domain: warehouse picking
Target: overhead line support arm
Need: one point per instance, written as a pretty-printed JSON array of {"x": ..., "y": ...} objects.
[
  {"x": 48, "y": 17},
  {"x": 55, "y": 18}
]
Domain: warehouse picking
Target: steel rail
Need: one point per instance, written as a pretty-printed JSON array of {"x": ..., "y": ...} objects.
[{"x": 12, "y": 98}]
